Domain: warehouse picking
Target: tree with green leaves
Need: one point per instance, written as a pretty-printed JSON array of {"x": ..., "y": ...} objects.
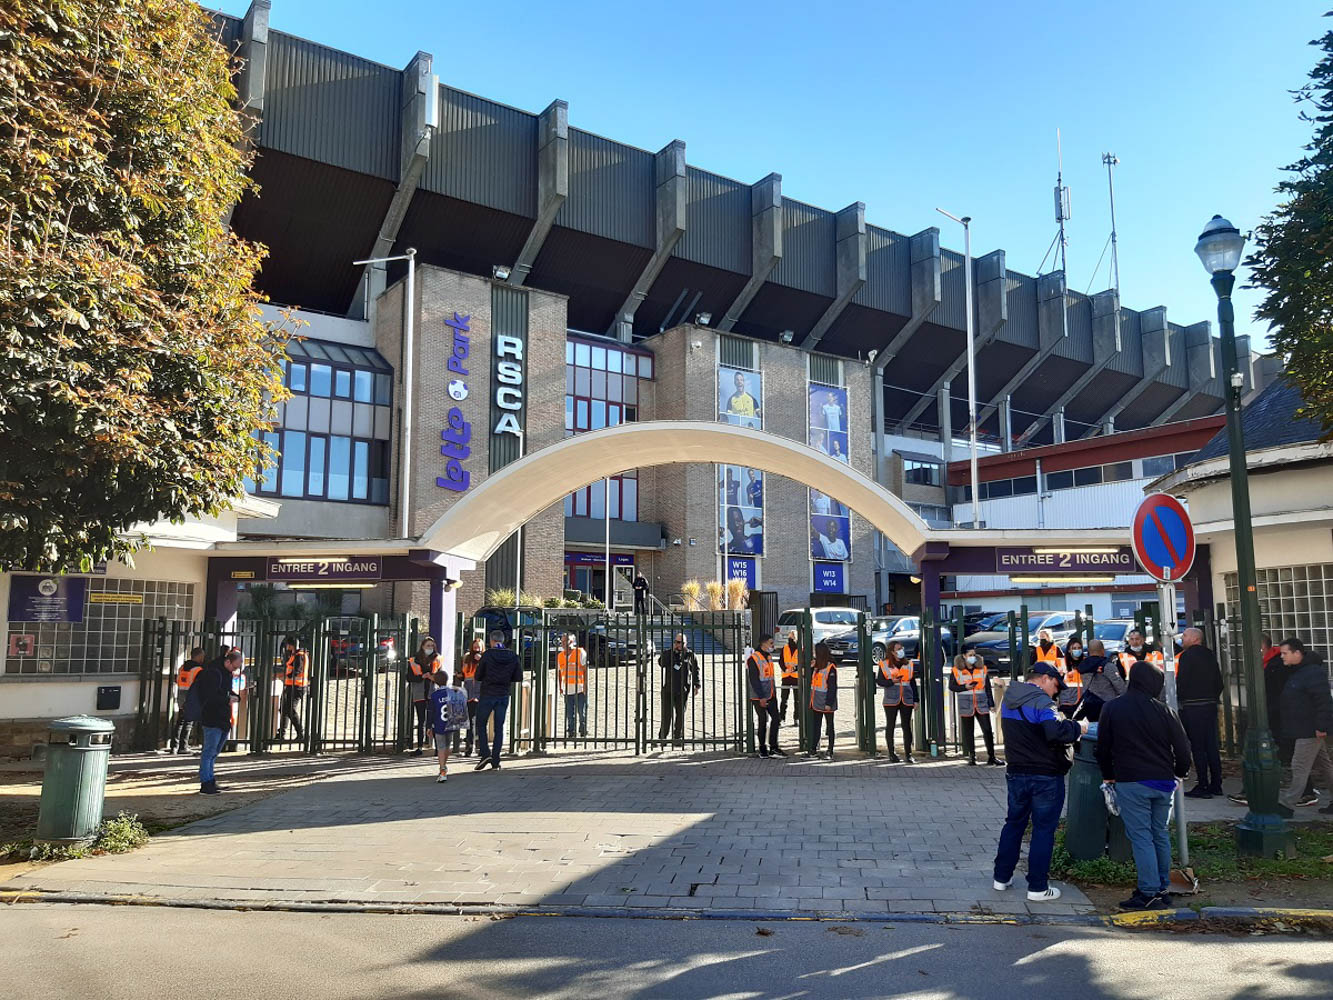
[
  {"x": 135, "y": 366},
  {"x": 1293, "y": 259}
]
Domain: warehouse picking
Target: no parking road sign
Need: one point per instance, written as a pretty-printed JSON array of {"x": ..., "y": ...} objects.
[{"x": 1163, "y": 538}]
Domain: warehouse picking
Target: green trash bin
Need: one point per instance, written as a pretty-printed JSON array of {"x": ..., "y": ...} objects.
[
  {"x": 1085, "y": 813},
  {"x": 74, "y": 784}
]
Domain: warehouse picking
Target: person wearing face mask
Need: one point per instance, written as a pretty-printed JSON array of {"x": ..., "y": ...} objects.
[
  {"x": 1101, "y": 682},
  {"x": 970, "y": 683},
  {"x": 1047, "y": 650},
  {"x": 420, "y": 668},
  {"x": 896, "y": 677},
  {"x": 763, "y": 696},
  {"x": 791, "y": 673},
  {"x": 1137, "y": 649},
  {"x": 472, "y": 689},
  {"x": 1072, "y": 693},
  {"x": 823, "y": 697}
]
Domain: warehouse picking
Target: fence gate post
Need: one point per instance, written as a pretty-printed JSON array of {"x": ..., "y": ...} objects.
[
  {"x": 804, "y": 714},
  {"x": 865, "y": 687}
]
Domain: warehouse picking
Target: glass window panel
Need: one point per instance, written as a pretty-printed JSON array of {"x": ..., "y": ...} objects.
[
  {"x": 569, "y": 413},
  {"x": 581, "y": 503},
  {"x": 645, "y": 366},
  {"x": 629, "y": 501},
  {"x": 999, "y": 488},
  {"x": 340, "y": 467},
  {"x": 296, "y": 348},
  {"x": 615, "y": 499},
  {"x": 1158, "y": 466},
  {"x": 383, "y": 389},
  {"x": 1025, "y": 485},
  {"x": 341, "y": 420},
  {"x": 582, "y": 355},
  {"x": 598, "y": 385},
  {"x": 613, "y": 383},
  {"x": 612, "y": 415},
  {"x": 379, "y": 472},
  {"x": 631, "y": 386},
  {"x": 293, "y": 463},
  {"x": 297, "y": 381},
  {"x": 1117, "y": 472},
  {"x": 596, "y": 502},
  {"x": 582, "y": 382},
  {"x": 631, "y": 413},
  {"x": 383, "y": 422},
  {"x": 363, "y": 421},
  {"x": 363, "y": 387},
  {"x": 360, "y": 470},
  {"x": 1088, "y": 477},
  {"x": 335, "y": 352},
  {"x": 598, "y": 414},
  {"x": 314, "y": 349},
  {"x": 569, "y": 500},
  {"x": 581, "y": 415},
  {"x": 613, "y": 361},
  {"x": 321, "y": 380},
  {"x": 569, "y": 379},
  {"x": 249, "y": 484},
  {"x": 270, "y": 481},
  {"x": 315, "y": 480},
  {"x": 599, "y": 359},
  {"x": 342, "y": 383},
  {"x": 569, "y": 352},
  {"x": 1059, "y": 480}
]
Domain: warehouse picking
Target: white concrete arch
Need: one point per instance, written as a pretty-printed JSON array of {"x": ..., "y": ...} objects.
[{"x": 476, "y": 525}]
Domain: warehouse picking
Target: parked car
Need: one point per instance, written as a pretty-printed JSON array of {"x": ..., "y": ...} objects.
[
  {"x": 1112, "y": 633},
  {"x": 348, "y": 651},
  {"x": 984, "y": 621},
  {"x": 994, "y": 644},
  {"x": 605, "y": 645},
  {"x": 825, "y": 622},
  {"x": 891, "y": 628}
]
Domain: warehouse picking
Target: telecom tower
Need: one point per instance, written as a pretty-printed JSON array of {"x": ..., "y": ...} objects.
[{"x": 1062, "y": 214}]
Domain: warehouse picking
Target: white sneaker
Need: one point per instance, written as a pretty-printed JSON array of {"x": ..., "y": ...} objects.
[
  {"x": 1001, "y": 886},
  {"x": 1047, "y": 896},
  {"x": 442, "y": 778}
]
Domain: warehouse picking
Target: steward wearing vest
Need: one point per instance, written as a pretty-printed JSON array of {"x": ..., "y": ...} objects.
[
  {"x": 970, "y": 683},
  {"x": 896, "y": 675},
  {"x": 823, "y": 696},
  {"x": 472, "y": 689},
  {"x": 1047, "y": 650},
  {"x": 759, "y": 678},
  {"x": 790, "y": 660},
  {"x": 572, "y": 674},
  {"x": 680, "y": 676},
  {"x": 185, "y": 676},
  {"x": 1072, "y": 693},
  {"x": 1136, "y": 649},
  {"x": 295, "y": 672},
  {"x": 421, "y": 666}
]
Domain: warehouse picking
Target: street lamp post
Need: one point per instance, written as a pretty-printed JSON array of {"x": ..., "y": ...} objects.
[
  {"x": 1263, "y": 831},
  {"x": 966, "y": 223}
]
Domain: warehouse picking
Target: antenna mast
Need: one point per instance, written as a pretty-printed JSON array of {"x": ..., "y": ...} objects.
[
  {"x": 1110, "y": 159},
  {"x": 1062, "y": 214}
]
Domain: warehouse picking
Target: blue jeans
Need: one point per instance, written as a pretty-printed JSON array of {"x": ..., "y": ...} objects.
[
  {"x": 213, "y": 740},
  {"x": 576, "y": 704},
  {"x": 1144, "y": 811},
  {"x": 1039, "y": 798},
  {"x": 488, "y": 705}
]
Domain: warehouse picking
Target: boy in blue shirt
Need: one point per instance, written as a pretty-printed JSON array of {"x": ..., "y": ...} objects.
[{"x": 448, "y": 714}]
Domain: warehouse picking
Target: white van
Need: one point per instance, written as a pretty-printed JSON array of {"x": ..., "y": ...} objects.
[{"x": 826, "y": 621}]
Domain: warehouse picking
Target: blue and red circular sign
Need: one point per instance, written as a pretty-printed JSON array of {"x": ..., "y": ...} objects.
[{"x": 1163, "y": 538}]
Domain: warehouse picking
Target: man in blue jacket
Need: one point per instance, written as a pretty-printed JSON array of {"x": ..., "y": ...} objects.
[
  {"x": 1038, "y": 746},
  {"x": 498, "y": 670}
]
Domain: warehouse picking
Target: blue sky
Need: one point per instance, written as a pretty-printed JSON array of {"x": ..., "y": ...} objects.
[{"x": 907, "y": 106}]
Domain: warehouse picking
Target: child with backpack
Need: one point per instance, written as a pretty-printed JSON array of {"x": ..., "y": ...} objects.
[{"x": 448, "y": 714}]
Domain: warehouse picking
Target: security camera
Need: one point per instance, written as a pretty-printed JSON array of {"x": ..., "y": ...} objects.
[
  {"x": 676, "y": 543},
  {"x": 871, "y": 355},
  {"x": 696, "y": 344},
  {"x": 786, "y": 336}
]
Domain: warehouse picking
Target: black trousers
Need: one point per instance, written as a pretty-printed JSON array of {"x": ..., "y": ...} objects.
[
  {"x": 422, "y": 709},
  {"x": 181, "y": 737},
  {"x": 1200, "y": 722},
  {"x": 673, "y": 713},
  {"x": 970, "y": 735},
  {"x": 640, "y": 603},
  {"x": 827, "y": 723},
  {"x": 291, "y": 698},
  {"x": 903, "y": 713},
  {"x": 767, "y": 713},
  {"x": 787, "y": 692}
]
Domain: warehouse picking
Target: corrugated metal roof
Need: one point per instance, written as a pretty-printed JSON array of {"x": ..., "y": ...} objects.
[
  {"x": 484, "y": 152},
  {"x": 1178, "y": 373},
  {"x": 808, "y": 237},
  {"x": 952, "y": 310},
  {"x": 888, "y": 284},
  {"x": 1269, "y": 421},
  {"x": 718, "y": 228},
  {"x": 611, "y": 190},
  {"x": 1021, "y": 327},
  {"x": 1078, "y": 325},
  {"x": 329, "y": 106},
  {"x": 1130, "y": 359}
]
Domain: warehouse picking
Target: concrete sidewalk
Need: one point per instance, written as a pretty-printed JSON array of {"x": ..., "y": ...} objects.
[{"x": 688, "y": 832}]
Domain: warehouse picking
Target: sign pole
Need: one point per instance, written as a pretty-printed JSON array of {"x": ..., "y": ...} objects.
[{"x": 1166, "y": 618}]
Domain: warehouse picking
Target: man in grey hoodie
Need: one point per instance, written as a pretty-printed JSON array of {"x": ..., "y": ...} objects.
[{"x": 1038, "y": 747}]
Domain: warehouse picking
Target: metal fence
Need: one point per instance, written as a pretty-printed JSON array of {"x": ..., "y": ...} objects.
[{"x": 355, "y": 697}]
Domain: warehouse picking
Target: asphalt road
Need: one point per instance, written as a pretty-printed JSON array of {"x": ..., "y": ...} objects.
[{"x": 148, "y": 952}]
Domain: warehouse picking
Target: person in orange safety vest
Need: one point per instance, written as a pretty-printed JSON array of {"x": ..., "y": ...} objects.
[
  {"x": 295, "y": 674},
  {"x": 823, "y": 696},
  {"x": 790, "y": 660},
  {"x": 1137, "y": 649},
  {"x": 896, "y": 676},
  {"x": 421, "y": 667},
  {"x": 970, "y": 683},
  {"x": 763, "y": 692},
  {"x": 572, "y": 675},
  {"x": 1072, "y": 693},
  {"x": 185, "y": 675}
]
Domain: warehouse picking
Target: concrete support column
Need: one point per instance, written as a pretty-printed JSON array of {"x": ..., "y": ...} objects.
[
  {"x": 418, "y": 123},
  {"x": 1154, "y": 334},
  {"x": 850, "y": 261},
  {"x": 766, "y": 244},
  {"x": 670, "y": 198},
  {"x": 253, "y": 53},
  {"x": 444, "y": 622},
  {"x": 1006, "y": 423},
  {"x": 1058, "y": 422},
  {"x": 552, "y": 184},
  {"x": 945, "y": 416}
]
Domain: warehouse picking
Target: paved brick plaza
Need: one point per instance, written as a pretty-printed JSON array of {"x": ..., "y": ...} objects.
[{"x": 670, "y": 832}]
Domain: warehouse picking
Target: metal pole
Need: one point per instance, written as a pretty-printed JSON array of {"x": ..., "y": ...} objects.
[
  {"x": 409, "y": 337},
  {"x": 518, "y": 549},
  {"x": 606, "y": 511},
  {"x": 1262, "y": 832},
  {"x": 971, "y": 370},
  {"x": 1166, "y": 629}
]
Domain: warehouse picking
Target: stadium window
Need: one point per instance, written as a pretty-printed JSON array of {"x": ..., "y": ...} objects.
[
  {"x": 1088, "y": 477},
  {"x": 1059, "y": 480}
]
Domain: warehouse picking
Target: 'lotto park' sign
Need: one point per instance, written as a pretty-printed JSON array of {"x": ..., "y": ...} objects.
[{"x": 1072, "y": 562}]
